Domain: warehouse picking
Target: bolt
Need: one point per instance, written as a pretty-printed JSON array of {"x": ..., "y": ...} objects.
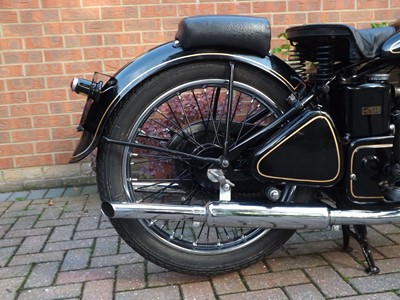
[
  {"x": 274, "y": 194},
  {"x": 226, "y": 187}
]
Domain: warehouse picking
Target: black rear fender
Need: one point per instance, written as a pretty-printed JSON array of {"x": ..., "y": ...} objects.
[{"x": 154, "y": 61}]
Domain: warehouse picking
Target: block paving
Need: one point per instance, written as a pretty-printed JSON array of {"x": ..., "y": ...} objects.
[{"x": 56, "y": 244}]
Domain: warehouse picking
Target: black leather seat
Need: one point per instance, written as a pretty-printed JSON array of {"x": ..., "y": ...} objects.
[
  {"x": 364, "y": 43},
  {"x": 249, "y": 34}
]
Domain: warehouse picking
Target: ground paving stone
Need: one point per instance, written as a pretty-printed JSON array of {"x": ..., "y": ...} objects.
[{"x": 65, "y": 248}]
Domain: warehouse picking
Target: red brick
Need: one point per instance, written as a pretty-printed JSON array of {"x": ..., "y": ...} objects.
[
  {"x": 83, "y": 40},
  {"x": 62, "y": 158},
  {"x": 58, "y": 82},
  {"x": 60, "y": 3},
  {"x": 304, "y": 5},
  {"x": 338, "y": 4},
  {"x": 54, "y": 146},
  {"x": 11, "y": 43},
  {"x": 8, "y": 16},
  {"x": 233, "y": 8},
  {"x": 52, "y": 121},
  {"x": 12, "y": 97},
  {"x": 44, "y": 69},
  {"x": 25, "y": 83},
  {"x": 33, "y": 160},
  {"x": 20, "y": 57},
  {"x": 152, "y": 11},
  {"x": 142, "y": 24},
  {"x": 47, "y": 95},
  {"x": 16, "y": 149},
  {"x": 157, "y": 37},
  {"x": 4, "y": 112},
  {"x": 80, "y": 13},
  {"x": 100, "y": 2},
  {"x": 196, "y": 9},
  {"x": 102, "y": 52},
  {"x": 122, "y": 38},
  {"x": 27, "y": 135},
  {"x": 83, "y": 68},
  {"x": 386, "y": 14},
  {"x": 10, "y": 30},
  {"x": 31, "y": 16},
  {"x": 19, "y": 4},
  {"x": 6, "y": 163},
  {"x": 5, "y": 137},
  {"x": 324, "y": 17},
  {"x": 29, "y": 109},
  {"x": 63, "y": 55},
  {"x": 63, "y": 28},
  {"x": 294, "y": 19},
  {"x": 119, "y": 12},
  {"x": 270, "y": 6},
  {"x": 11, "y": 71},
  {"x": 44, "y": 42},
  {"x": 15, "y": 123},
  {"x": 368, "y": 4},
  {"x": 103, "y": 26},
  {"x": 64, "y": 132},
  {"x": 357, "y": 16},
  {"x": 65, "y": 107},
  {"x": 171, "y": 23}
]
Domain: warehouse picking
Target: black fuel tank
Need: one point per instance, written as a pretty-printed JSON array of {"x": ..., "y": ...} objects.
[{"x": 391, "y": 48}]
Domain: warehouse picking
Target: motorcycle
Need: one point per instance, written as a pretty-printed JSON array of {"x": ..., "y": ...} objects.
[{"x": 212, "y": 152}]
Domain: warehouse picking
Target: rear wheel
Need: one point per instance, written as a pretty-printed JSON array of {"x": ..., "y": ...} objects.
[{"x": 185, "y": 109}]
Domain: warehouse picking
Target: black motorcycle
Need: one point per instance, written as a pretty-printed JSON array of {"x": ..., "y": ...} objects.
[{"x": 211, "y": 151}]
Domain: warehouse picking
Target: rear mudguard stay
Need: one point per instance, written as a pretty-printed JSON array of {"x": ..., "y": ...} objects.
[{"x": 156, "y": 60}]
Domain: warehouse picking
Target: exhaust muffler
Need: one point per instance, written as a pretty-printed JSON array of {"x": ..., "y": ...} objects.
[{"x": 230, "y": 214}]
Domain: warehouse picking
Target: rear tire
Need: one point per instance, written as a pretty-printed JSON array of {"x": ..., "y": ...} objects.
[{"x": 183, "y": 109}]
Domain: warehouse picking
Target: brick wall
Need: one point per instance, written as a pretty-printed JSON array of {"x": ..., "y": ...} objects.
[{"x": 45, "y": 43}]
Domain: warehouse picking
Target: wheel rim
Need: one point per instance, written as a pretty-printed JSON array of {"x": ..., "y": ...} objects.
[{"x": 191, "y": 118}]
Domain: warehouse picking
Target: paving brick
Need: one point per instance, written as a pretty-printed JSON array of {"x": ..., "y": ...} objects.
[
  {"x": 4, "y": 221},
  {"x": 21, "y": 213},
  {"x": 16, "y": 271},
  {"x": 380, "y": 296},
  {"x": 51, "y": 213},
  {"x": 276, "y": 279},
  {"x": 57, "y": 222},
  {"x": 106, "y": 246},
  {"x": 6, "y": 254},
  {"x": 199, "y": 291},
  {"x": 27, "y": 232},
  {"x": 229, "y": 283},
  {"x": 386, "y": 228},
  {"x": 88, "y": 223},
  {"x": 36, "y": 194},
  {"x": 304, "y": 292},
  {"x": 389, "y": 251},
  {"x": 32, "y": 244},
  {"x": 85, "y": 275},
  {"x": 5, "y": 196},
  {"x": 54, "y": 193},
  {"x": 389, "y": 265},
  {"x": 329, "y": 282},
  {"x": 94, "y": 233},
  {"x": 52, "y": 292},
  {"x": 295, "y": 262},
  {"x": 36, "y": 258},
  {"x": 72, "y": 191},
  {"x": 62, "y": 233},
  {"x": 377, "y": 283},
  {"x": 68, "y": 245},
  {"x": 10, "y": 242},
  {"x": 272, "y": 294},
  {"x": 345, "y": 264},
  {"x": 89, "y": 190},
  {"x": 43, "y": 274},
  {"x": 312, "y": 247},
  {"x": 76, "y": 259},
  {"x": 170, "y": 278},
  {"x": 258, "y": 268},
  {"x": 130, "y": 277},
  {"x": 323, "y": 235},
  {"x": 98, "y": 290},
  {"x": 165, "y": 293},
  {"x": 18, "y": 205},
  {"x": 119, "y": 259},
  {"x": 19, "y": 195},
  {"x": 4, "y": 229},
  {"x": 9, "y": 287}
]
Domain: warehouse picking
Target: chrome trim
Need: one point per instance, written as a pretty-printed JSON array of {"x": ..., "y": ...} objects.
[{"x": 220, "y": 214}]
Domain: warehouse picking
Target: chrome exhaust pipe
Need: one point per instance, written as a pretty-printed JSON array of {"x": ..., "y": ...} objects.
[{"x": 231, "y": 214}]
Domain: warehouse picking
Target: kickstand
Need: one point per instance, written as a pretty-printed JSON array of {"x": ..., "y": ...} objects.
[{"x": 360, "y": 235}]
